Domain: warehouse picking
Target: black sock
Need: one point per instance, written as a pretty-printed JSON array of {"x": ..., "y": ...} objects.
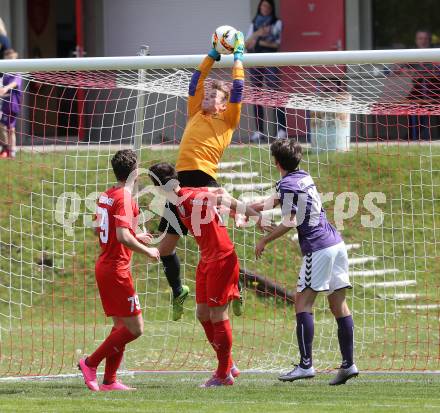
[{"x": 171, "y": 266}]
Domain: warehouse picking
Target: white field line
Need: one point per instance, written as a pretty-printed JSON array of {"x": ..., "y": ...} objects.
[
  {"x": 132, "y": 373},
  {"x": 121, "y": 372},
  {"x": 352, "y": 246},
  {"x": 400, "y": 296},
  {"x": 248, "y": 187},
  {"x": 361, "y": 260},
  {"x": 371, "y": 273},
  {"x": 420, "y": 306},
  {"x": 228, "y": 165},
  {"x": 237, "y": 175},
  {"x": 389, "y": 284}
]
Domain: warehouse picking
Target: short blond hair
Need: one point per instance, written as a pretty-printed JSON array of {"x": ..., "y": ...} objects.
[{"x": 222, "y": 87}]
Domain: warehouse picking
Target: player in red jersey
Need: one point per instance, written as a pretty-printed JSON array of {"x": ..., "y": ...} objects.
[
  {"x": 116, "y": 224},
  {"x": 218, "y": 270}
]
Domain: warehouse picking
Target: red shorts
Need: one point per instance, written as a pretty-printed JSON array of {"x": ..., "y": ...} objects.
[
  {"x": 217, "y": 282},
  {"x": 118, "y": 296}
]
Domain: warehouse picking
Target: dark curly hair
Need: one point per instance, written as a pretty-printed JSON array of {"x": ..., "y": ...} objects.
[
  {"x": 161, "y": 173},
  {"x": 287, "y": 152},
  {"x": 124, "y": 162}
]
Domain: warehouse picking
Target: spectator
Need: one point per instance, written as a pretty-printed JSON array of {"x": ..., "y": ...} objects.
[
  {"x": 264, "y": 36},
  {"x": 423, "y": 39},
  {"x": 4, "y": 39},
  {"x": 425, "y": 87},
  {"x": 10, "y": 95}
]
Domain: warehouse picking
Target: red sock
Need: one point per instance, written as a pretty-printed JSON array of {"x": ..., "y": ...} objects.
[
  {"x": 209, "y": 331},
  {"x": 113, "y": 344},
  {"x": 223, "y": 346},
  {"x": 112, "y": 364}
]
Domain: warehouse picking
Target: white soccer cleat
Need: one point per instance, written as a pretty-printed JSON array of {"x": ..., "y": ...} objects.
[
  {"x": 344, "y": 374},
  {"x": 298, "y": 373}
]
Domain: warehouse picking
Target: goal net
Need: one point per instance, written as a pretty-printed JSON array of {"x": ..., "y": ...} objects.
[{"x": 369, "y": 124}]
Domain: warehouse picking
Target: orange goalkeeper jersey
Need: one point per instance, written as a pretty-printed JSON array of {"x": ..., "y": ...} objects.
[{"x": 206, "y": 136}]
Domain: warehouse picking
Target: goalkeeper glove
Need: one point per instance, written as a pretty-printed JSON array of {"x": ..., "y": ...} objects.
[
  {"x": 214, "y": 54},
  {"x": 238, "y": 46}
]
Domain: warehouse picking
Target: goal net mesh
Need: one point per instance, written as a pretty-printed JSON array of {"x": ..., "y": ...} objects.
[{"x": 370, "y": 142}]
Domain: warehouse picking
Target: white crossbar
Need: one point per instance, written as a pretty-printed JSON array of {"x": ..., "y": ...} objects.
[{"x": 192, "y": 61}]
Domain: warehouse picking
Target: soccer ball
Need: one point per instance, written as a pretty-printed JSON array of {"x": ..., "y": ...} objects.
[{"x": 223, "y": 39}]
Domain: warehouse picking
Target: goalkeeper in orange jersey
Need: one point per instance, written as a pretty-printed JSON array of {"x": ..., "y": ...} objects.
[{"x": 213, "y": 115}]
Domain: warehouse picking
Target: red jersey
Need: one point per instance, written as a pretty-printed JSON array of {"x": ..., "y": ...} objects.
[
  {"x": 198, "y": 211},
  {"x": 114, "y": 211}
]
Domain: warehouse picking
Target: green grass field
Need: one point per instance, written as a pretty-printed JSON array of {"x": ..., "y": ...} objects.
[
  {"x": 50, "y": 315},
  {"x": 252, "y": 393}
]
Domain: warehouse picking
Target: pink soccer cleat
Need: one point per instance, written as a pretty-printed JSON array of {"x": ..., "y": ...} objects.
[
  {"x": 215, "y": 381},
  {"x": 115, "y": 386},
  {"x": 89, "y": 374},
  {"x": 235, "y": 372}
]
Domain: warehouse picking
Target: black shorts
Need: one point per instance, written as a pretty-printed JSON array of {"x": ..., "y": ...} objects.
[{"x": 170, "y": 221}]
